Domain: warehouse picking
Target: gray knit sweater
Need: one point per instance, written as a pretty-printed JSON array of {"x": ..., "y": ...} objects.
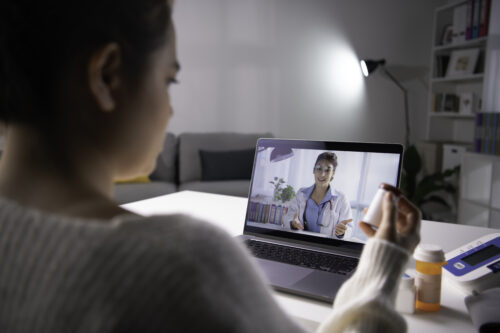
[
  {"x": 131, "y": 274},
  {"x": 163, "y": 274}
]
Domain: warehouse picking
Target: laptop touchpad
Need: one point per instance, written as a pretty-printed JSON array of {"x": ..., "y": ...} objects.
[
  {"x": 320, "y": 283},
  {"x": 283, "y": 275}
]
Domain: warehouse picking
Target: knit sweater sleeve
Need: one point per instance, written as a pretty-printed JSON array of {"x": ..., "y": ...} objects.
[
  {"x": 365, "y": 303},
  {"x": 188, "y": 276}
]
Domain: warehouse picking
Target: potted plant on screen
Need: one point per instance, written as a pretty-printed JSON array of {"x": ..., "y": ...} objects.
[{"x": 282, "y": 192}]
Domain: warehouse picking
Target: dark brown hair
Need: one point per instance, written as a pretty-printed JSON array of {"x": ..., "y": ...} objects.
[
  {"x": 38, "y": 39},
  {"x": 329, "y": 157}
]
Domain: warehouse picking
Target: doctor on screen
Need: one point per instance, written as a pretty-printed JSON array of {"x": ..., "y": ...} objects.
[{"x": 319, "y": 208}]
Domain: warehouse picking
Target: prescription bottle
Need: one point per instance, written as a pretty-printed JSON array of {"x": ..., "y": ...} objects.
[
  {"x": 374, "y": 213},
  {"x": 430, "y": 261},
  {"x": 405, "y": 298}
]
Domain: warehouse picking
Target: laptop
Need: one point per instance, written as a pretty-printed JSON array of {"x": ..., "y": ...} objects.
[{"x": 296, "y": 239}]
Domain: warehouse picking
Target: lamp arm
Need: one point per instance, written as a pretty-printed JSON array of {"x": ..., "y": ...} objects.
[{"x": 407, "y": 113}]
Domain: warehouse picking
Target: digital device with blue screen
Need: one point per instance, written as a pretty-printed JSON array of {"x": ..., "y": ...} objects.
[{"x": 476, "y": 265}]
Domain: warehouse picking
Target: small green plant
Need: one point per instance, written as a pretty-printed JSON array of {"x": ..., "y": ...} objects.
[
  {"x": 287, "y": 194},
  {"x": 281, "y": 192}
]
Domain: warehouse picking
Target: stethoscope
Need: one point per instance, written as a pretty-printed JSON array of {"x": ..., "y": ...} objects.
[{"x": 318, "y": 222}]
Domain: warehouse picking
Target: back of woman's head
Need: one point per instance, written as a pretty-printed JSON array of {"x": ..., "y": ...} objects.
[{"x": 40, "y": 39}]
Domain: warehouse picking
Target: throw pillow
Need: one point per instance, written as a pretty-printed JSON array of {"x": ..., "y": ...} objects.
[{"x": 226, "y": 165}]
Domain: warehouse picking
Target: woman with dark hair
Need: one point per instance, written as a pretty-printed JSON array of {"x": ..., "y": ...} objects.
[
  {"x": 84, "y": 96},
  {"x": 319, "y": 207}
]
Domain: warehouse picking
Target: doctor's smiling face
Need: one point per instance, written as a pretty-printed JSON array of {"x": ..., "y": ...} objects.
[
  {"x": 324, "y": 172},
  {"x": 324, "y": 169}
]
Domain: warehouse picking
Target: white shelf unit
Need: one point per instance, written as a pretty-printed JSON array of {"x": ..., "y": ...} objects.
[
  {"x": 451, "y": 115},
  {"x": 479, "y": 203},
  {"x": 444, "y": 127}
]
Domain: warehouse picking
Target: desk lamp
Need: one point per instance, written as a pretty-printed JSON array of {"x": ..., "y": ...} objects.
[
  {"x": 280, "y": 154},
  {"x": 368, "y": 67}
]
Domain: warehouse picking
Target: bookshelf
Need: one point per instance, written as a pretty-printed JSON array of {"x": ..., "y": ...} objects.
[
  {"x": 451, "y": 123},
  {"x": 479, "y": 203},
  {"x": 464, "y": 79}
]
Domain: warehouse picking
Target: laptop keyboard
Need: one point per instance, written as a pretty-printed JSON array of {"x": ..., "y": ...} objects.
[{"x": 307, "y": 258}]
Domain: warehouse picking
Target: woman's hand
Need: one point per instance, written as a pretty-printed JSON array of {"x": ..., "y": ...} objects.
[{"x": 400, "y": 223}]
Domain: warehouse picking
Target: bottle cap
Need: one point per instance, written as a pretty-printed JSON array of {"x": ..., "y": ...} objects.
[
  {"x": 407, "y": 281},
  {"x": 429, "y": 253}
]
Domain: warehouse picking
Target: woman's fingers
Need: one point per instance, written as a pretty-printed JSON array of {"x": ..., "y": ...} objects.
[
  {"x": 414, "y": 220},
  {"x": 367, "y": 228},
  {"x": 406, "y": 206},
  {"x": 387, "y": 229},
  {"x": 399, "y": 216},
  {"x": 409, "y": 217}
]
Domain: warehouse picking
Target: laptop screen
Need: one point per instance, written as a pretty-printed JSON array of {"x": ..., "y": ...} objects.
[{"x": 312, "y": 190}]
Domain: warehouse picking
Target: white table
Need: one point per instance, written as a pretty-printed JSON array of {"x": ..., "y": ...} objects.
[{"x": 229, "y": 213}]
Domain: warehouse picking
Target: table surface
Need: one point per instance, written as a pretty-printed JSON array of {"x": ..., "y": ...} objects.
[{"x": 228, "y": 212}]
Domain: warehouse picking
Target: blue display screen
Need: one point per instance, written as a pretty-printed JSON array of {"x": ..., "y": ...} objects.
[{"x": 482, "y": 255}]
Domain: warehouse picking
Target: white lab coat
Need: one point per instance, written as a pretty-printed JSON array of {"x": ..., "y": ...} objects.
[{"x": 336, "y": 210}]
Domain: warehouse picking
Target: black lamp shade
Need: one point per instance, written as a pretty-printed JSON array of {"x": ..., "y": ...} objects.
[{"x": 368, "y": 66}]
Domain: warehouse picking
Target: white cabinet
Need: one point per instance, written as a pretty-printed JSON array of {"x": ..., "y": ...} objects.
[{"x": 480, "y": 190}]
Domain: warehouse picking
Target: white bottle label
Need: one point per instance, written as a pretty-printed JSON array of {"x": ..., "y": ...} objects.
[{"x": 428, "y": 288}]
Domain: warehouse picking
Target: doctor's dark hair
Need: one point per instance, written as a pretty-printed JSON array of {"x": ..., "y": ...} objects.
[
  {"x": 329, "y": 157},
  {"x": 39, "y": 40}
]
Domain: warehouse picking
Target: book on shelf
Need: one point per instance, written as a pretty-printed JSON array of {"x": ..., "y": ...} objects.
[
  {"x": 271, "y": 213},
  {"x": 445, "y": 102},
  {"x": 468, "y": 29},
  {"x": 484, "y": 18},
  {"x": 251, "y": 211},
  {"x": 277, "y": 220},
  {"x": 259, "y": 216},
  {"x": 487, "y": 134},
  {"x": 459, "y": 23},
  {"x": 477, "y": 14},
  {"x": 441, "y": 65},
  {"x": 265, "y": 214}
]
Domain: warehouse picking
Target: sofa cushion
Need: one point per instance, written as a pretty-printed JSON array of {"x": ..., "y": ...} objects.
[
  {"x": 166, "y": 162},
  {"x": 191, "y": 143},
  {"x": 226, "y": 165},
  {"x": 125, "y": 193},
  {"x": 238, "y": 188}
]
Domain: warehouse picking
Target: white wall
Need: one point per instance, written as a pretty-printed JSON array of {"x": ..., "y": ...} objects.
[{"x": 291, "y": 67}]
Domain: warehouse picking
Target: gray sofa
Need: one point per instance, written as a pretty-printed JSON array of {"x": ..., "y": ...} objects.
[{"x": 180, "y": 166}]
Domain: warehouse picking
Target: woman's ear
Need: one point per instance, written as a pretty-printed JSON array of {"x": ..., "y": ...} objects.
[{"x": 104, "y": 68}]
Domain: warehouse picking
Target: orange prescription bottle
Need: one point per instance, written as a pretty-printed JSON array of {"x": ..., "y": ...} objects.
[{"x": 430, "y": 261}]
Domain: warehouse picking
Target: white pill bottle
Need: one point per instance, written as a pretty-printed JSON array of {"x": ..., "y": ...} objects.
[{"x": 374, "y": 213}]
